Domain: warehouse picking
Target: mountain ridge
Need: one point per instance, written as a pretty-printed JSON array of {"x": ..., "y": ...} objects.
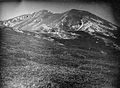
[{"x": 64, "y": 25}]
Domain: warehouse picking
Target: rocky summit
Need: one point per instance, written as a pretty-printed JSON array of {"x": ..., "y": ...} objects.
[{"x": 73, "y": 49}]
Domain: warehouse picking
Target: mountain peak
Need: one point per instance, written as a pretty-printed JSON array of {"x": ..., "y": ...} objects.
[
  {"x": 72, "y": 20},
  {"x": 73, "y": 10}
]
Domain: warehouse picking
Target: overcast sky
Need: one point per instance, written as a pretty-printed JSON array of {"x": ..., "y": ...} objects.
[{"x": 13, "y": 9}]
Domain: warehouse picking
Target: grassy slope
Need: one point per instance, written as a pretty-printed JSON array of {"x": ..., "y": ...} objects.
[{"x": 40, "y": 63}]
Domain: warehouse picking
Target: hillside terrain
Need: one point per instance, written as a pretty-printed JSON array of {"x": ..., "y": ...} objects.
[{"x": 74, "y": 49}]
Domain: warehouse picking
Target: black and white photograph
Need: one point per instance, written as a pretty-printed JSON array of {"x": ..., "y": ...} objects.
[{"x": 59, "y": 44}]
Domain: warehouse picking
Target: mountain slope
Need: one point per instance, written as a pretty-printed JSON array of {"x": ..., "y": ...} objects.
[
  {"x": 64, "y": 25},
  {"x": 74, "y": 49},
  {"x": 29, "y": 60}
]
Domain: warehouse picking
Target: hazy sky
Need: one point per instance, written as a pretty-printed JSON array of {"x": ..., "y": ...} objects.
[{"x": 12, "y": 9}]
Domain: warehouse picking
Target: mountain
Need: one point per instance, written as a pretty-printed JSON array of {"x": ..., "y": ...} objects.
[
  {"x": 73, "y": 49},
  {"x": 64, "y": 24}
]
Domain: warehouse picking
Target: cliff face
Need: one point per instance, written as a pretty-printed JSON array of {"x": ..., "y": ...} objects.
[{"x": 74, "y": 49}]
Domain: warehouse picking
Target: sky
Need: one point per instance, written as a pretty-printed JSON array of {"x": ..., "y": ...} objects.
[{"x": 12, "y": 9}]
